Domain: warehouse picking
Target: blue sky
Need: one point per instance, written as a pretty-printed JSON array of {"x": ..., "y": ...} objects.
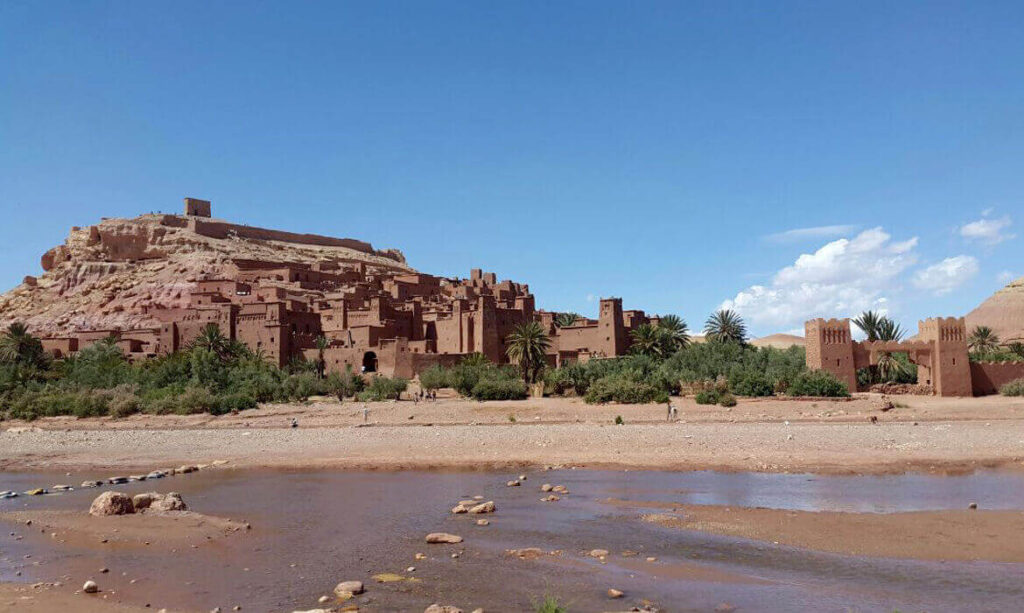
[{"x": 790, "y": 159}]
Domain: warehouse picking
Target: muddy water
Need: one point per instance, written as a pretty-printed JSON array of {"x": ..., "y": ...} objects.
[{"x": 314, "y": 529}]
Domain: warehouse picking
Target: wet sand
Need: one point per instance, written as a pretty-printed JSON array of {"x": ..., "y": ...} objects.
[
  {"x": 828, "y": 437},
  {"x": 994, "y": 536}
]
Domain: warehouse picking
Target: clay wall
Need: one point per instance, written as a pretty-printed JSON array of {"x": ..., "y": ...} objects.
[{"x": 988, "y": 377}]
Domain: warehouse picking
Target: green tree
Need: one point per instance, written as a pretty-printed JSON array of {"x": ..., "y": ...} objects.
[
  {"x": 321, "y": 344},
  {"x": 527, "y": 347},
  {"x": 982, "y": 339},
  {"x": 212, "y": 339},
  {"x": 564, "y": 320},
  {"x": 674, "y": 333},
  {"x": 19, "y": 347},
  {"x": 726, "y": 325},
  {"x": 868, "y": 323},
  {"x": 646, "y": 341}
]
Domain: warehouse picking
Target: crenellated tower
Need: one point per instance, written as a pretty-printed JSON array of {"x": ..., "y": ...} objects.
[
  {"x": 829, "y": 347},
  {"x": 950, "y": 370}
]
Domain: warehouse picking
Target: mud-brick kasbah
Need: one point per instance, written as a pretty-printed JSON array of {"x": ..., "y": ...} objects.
[{"x": 387, "y": 319}]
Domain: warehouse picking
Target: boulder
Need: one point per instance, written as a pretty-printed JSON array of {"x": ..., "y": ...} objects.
[
  {"x": 547, "y": 487},
  {"x": 551, "y": 498},
  {"x": 347, "y": 589},
  {"x": 111, "y": 503},
  {"x": 482, "y": 522},
  {"x": 443, "y": 537},
  {"x": 171, "y": 501},
  {"x": 485, "y": 507},
  {"x": 90, "y": 587},
  {"x": 143, "y": 501},
  {"x": 117, "y": 480},
  {"x": 91, "y": 483},
  {"x": 156, "y": 474},
  {"x": 614, "y": 593},
  {"x": 459, "y": 509},
  {"x": 512, "y": 484}
]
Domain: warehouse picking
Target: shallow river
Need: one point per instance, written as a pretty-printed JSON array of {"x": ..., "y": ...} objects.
[{"x": 314, "y": 529}]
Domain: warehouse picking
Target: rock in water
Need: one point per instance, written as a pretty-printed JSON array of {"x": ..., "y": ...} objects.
[
  {"x": 436, "y": 608},
  {"x": 111, "y": 503},
  {"x": 614, "y": 593},
  {"x": 443, "y": 537},
  {"x": 486, "y": 507}
]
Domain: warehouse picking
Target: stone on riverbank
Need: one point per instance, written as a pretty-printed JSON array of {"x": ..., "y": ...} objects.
[
  {"x": 111, "y": 503},
  {"x": 443, "y": 537},
  {"x": 90, "y": 587},
  {"x": 347, "y": 589},
  {"x": 436, "y": 608}
]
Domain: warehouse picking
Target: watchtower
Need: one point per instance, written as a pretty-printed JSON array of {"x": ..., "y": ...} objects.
[
  {"x": 829, "y": 347},
  {"x": 612, "y": 340},
  {"x": 950, "y": 365},
  {"x": 195, "y": 207}
]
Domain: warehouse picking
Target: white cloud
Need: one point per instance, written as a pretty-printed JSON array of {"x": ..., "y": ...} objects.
[
  {"x": 945, "y": 276},
  {"x": 987, "y": 230},
  {"x": 798, "y": 234},
  {"x": 841, "y": 278}
]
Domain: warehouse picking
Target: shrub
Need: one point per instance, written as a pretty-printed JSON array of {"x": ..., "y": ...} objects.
[
  {"x": 1013, "y": 388},
  {"x": 708, "y": 396},
  {"x": 382, "y": 388},
  {"x": 727, "y": 400},
  {"x": 817, "y": 383},
  {"x": 124, "y": 401},
  {"x": 499, "y": 389},
  {"x": 618, "y": 420},
  {"x": 750, "y": 382},
  {"x": 621, "y": 389},
  {"x": 434, "y": 378},
  {"x": 344, "y": 385},
  {"x": 195, "y": 399},
  {"x": 302, "y": 386}
]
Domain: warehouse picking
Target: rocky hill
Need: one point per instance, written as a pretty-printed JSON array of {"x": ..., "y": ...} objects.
[
  {"x": 108, "y": 275},
  {"x": 1003, "y": 312}
]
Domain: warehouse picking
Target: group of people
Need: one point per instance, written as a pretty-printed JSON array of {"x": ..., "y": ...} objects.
[{"x": 424, "y": 395}]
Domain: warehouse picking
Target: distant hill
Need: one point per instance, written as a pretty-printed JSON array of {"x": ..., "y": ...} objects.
[
  {"x": 1003, "y": 312},
  {"x": 779, "y": 341}
]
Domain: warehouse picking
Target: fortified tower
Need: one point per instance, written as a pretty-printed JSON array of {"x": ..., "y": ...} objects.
[
  {"x": 612, "y": 340},
  {"x": 195, "y": 207},
  {"x": 950, "y": 366},
  {"x": 829, "y": 347}
]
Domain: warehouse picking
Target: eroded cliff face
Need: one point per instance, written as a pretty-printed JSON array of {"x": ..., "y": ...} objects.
[
  {"x": 113, "y": 274},
  {"x": 1003, "y": 312}
]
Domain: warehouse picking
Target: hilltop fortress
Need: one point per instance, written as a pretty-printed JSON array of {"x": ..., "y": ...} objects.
[{"x": 155, "y": 282}]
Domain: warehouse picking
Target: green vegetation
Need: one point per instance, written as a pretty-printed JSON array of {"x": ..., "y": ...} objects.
[
  {"x": 527, "y": 347},
  {"x": 661, "y": 340},
  {"x": 619, "y": 421},
  {"x": 725, "y": 325},
  {"x": 817, "y": 383},
  {"x": 1013, "y": 388},
  {"x": 382, "y": 388},
  {"x": 213, "y": 375},
  {"x": 564, "y": 320},
  {"x": 550, "y": 604},
  {"x": 891, "y": 367},
  {"x": 982, "y": 340},
  {"x": 476, "y": 377}
]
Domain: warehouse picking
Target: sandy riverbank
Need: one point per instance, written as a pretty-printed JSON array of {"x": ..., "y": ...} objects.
[
  {"x": 964, "y": 535},
  {"x": 930, "y": 434}
]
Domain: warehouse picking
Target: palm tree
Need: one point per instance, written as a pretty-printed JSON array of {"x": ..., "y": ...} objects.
[
  {"x": 321, "y": 343},
  {"x": 725, "y": 325},
  {"x": 19, "y": 347},
  {"x": 868, "y": 323},
  {"x": 527, "y": 346},
  {"x": 646, "y": 340},
  {"x": 564, "y": 320},
  {"x": 212, "y": 339},
  {"x": 982, "y": 339},
  {"x": 675, "y": 333},
  {"x": 889, "y": 330}
]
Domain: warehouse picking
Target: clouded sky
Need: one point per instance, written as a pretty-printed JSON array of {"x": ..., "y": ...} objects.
[{"x": 788, "y": 159}]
